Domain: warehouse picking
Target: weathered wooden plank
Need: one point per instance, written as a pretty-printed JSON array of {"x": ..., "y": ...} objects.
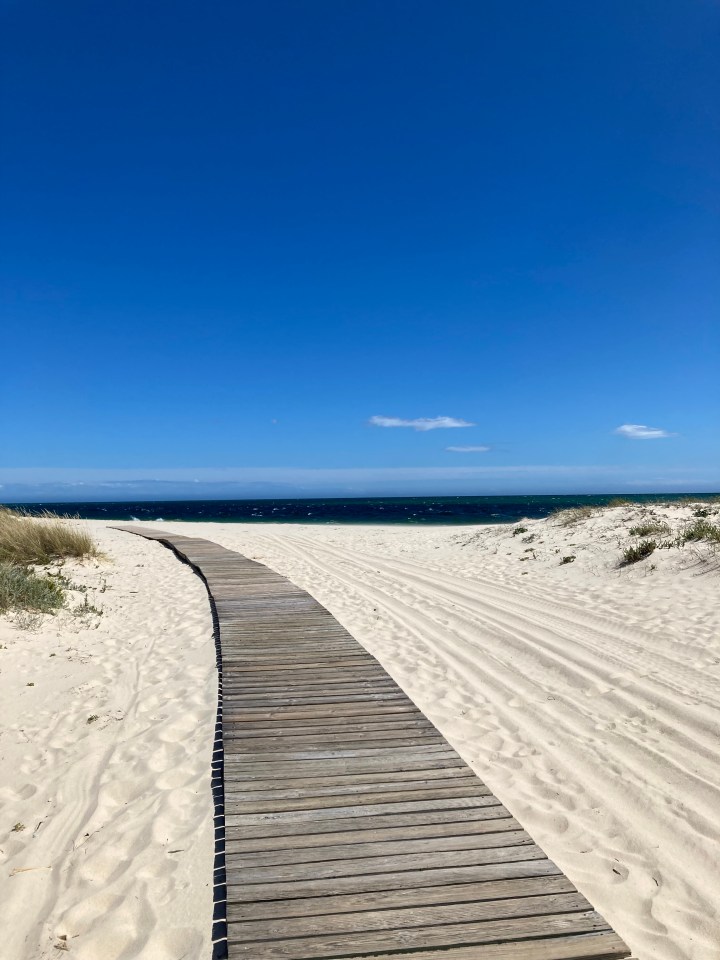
[
  {"x": 571, "y": 946},
  {"x": 341, "y": 682},
  {"x": 256, "y": 696},
  {"x": 338, "y": 709},
  {"x": 312, "y": 802},
  {"x": 255, "y": 650},
  {"x": 333, "y": 670},
  {"x": 349, "y": 851},
  {"x": 361, "y": 794},
  {"x": 325, "y": 734},
  {"x": 324, "y": 870},
  {"x": 357, "y": 810},
  {"x": 251, "y": 661},
  {"x": 350, "y": 782},
  {"x": 388, "y": 780},
  {"x": 272, "y": 686},
  {"x": 263, "y": 737},
  {"x": 411, "y": 918},
  {"x": 242, "y": 891},
  {"x": 391, "y": 875},
  {"x": 274, "y": 701},
  {"x": 340, "y": 723},
  {"x": 268, "y": 748},
  {"x": 523, "y": 880},
  {"x": 490, "y": 816},
  {"x": 281, "y": 632},
  {"x": 282, "y": 635},
  {"x": 307, "y": 768},
  {"x": 277, "y": 689},
  {"x": 457, "y": 934},
  {"x": 408, "y": 821},
  {"x": 431, "y": 750},
  {"x": 330, "y": 664}
]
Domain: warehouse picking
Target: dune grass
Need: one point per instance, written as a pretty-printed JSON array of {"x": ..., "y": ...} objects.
[
  {"x": 22, "y": 589},
  {"x": 28, "y": 540},
  {"x": 701, "y": 530},
  {"x": 649, "y": 528},
  {"x": 568, "y": 518}
]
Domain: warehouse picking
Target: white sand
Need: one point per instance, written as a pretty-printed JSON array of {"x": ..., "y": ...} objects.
[
  {"x": 586, "y": 697},
  {"x": 116, "y": 853}
]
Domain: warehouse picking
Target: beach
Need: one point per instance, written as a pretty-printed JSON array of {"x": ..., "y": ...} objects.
[
  {"x": 107, "y": 724},
  {"x": 585, "y": 695}
]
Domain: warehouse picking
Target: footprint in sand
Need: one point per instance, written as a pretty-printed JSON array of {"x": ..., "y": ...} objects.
[
  {"x": 117, "y": 793},
  {"x": 178, "y": 777},
  {"x": 178, "y": 729},
  {"x": 81, "y": 917}
]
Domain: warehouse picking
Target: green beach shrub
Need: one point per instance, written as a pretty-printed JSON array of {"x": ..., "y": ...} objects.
[
  {"x": 648, "y": 529},
  {"x": 700, "y": 530},
  {"x": 635, "y": 554},
  {"x": 22, "y": 589}
]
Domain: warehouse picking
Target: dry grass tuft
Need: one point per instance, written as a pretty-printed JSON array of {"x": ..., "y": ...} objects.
[
  {"x": 568, "y": 518},
  {"x": 27, "y": 540}
]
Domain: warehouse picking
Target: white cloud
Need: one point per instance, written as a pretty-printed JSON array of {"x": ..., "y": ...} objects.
[
  {"x": 420, "y": 423},
  {"x": 467, "y": 449},
  {"x": 638, "y": 431}
]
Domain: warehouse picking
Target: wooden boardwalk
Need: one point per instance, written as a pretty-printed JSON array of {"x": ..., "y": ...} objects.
[{"x": 353, "y": 829}]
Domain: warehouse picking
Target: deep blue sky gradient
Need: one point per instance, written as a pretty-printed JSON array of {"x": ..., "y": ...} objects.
[{"x": 221, "y": 215}]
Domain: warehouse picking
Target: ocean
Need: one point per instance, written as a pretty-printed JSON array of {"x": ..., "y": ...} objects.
[{"x": 361, "y": 510}]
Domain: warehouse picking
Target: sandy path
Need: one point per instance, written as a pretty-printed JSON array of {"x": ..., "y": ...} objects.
[
  {"x": 116, "y": 848},
  {"x": 599, "y": 735}
]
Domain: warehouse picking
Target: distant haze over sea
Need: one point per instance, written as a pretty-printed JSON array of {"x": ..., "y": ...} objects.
[
  {"x": 89, "y": 485},
  {"x": 392, "y": 510}
]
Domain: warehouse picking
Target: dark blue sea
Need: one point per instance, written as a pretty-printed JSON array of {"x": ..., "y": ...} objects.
[{"x": 401, "y": 510}]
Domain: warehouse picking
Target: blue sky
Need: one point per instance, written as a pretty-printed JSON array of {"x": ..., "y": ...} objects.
[{"x": 234, "y": 233}]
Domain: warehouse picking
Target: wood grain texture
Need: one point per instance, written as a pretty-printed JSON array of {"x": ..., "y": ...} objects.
[{"x": 352, "y": 828}]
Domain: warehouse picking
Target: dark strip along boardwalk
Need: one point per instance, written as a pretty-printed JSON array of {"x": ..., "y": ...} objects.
[{"x": 353, "y": 829}]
